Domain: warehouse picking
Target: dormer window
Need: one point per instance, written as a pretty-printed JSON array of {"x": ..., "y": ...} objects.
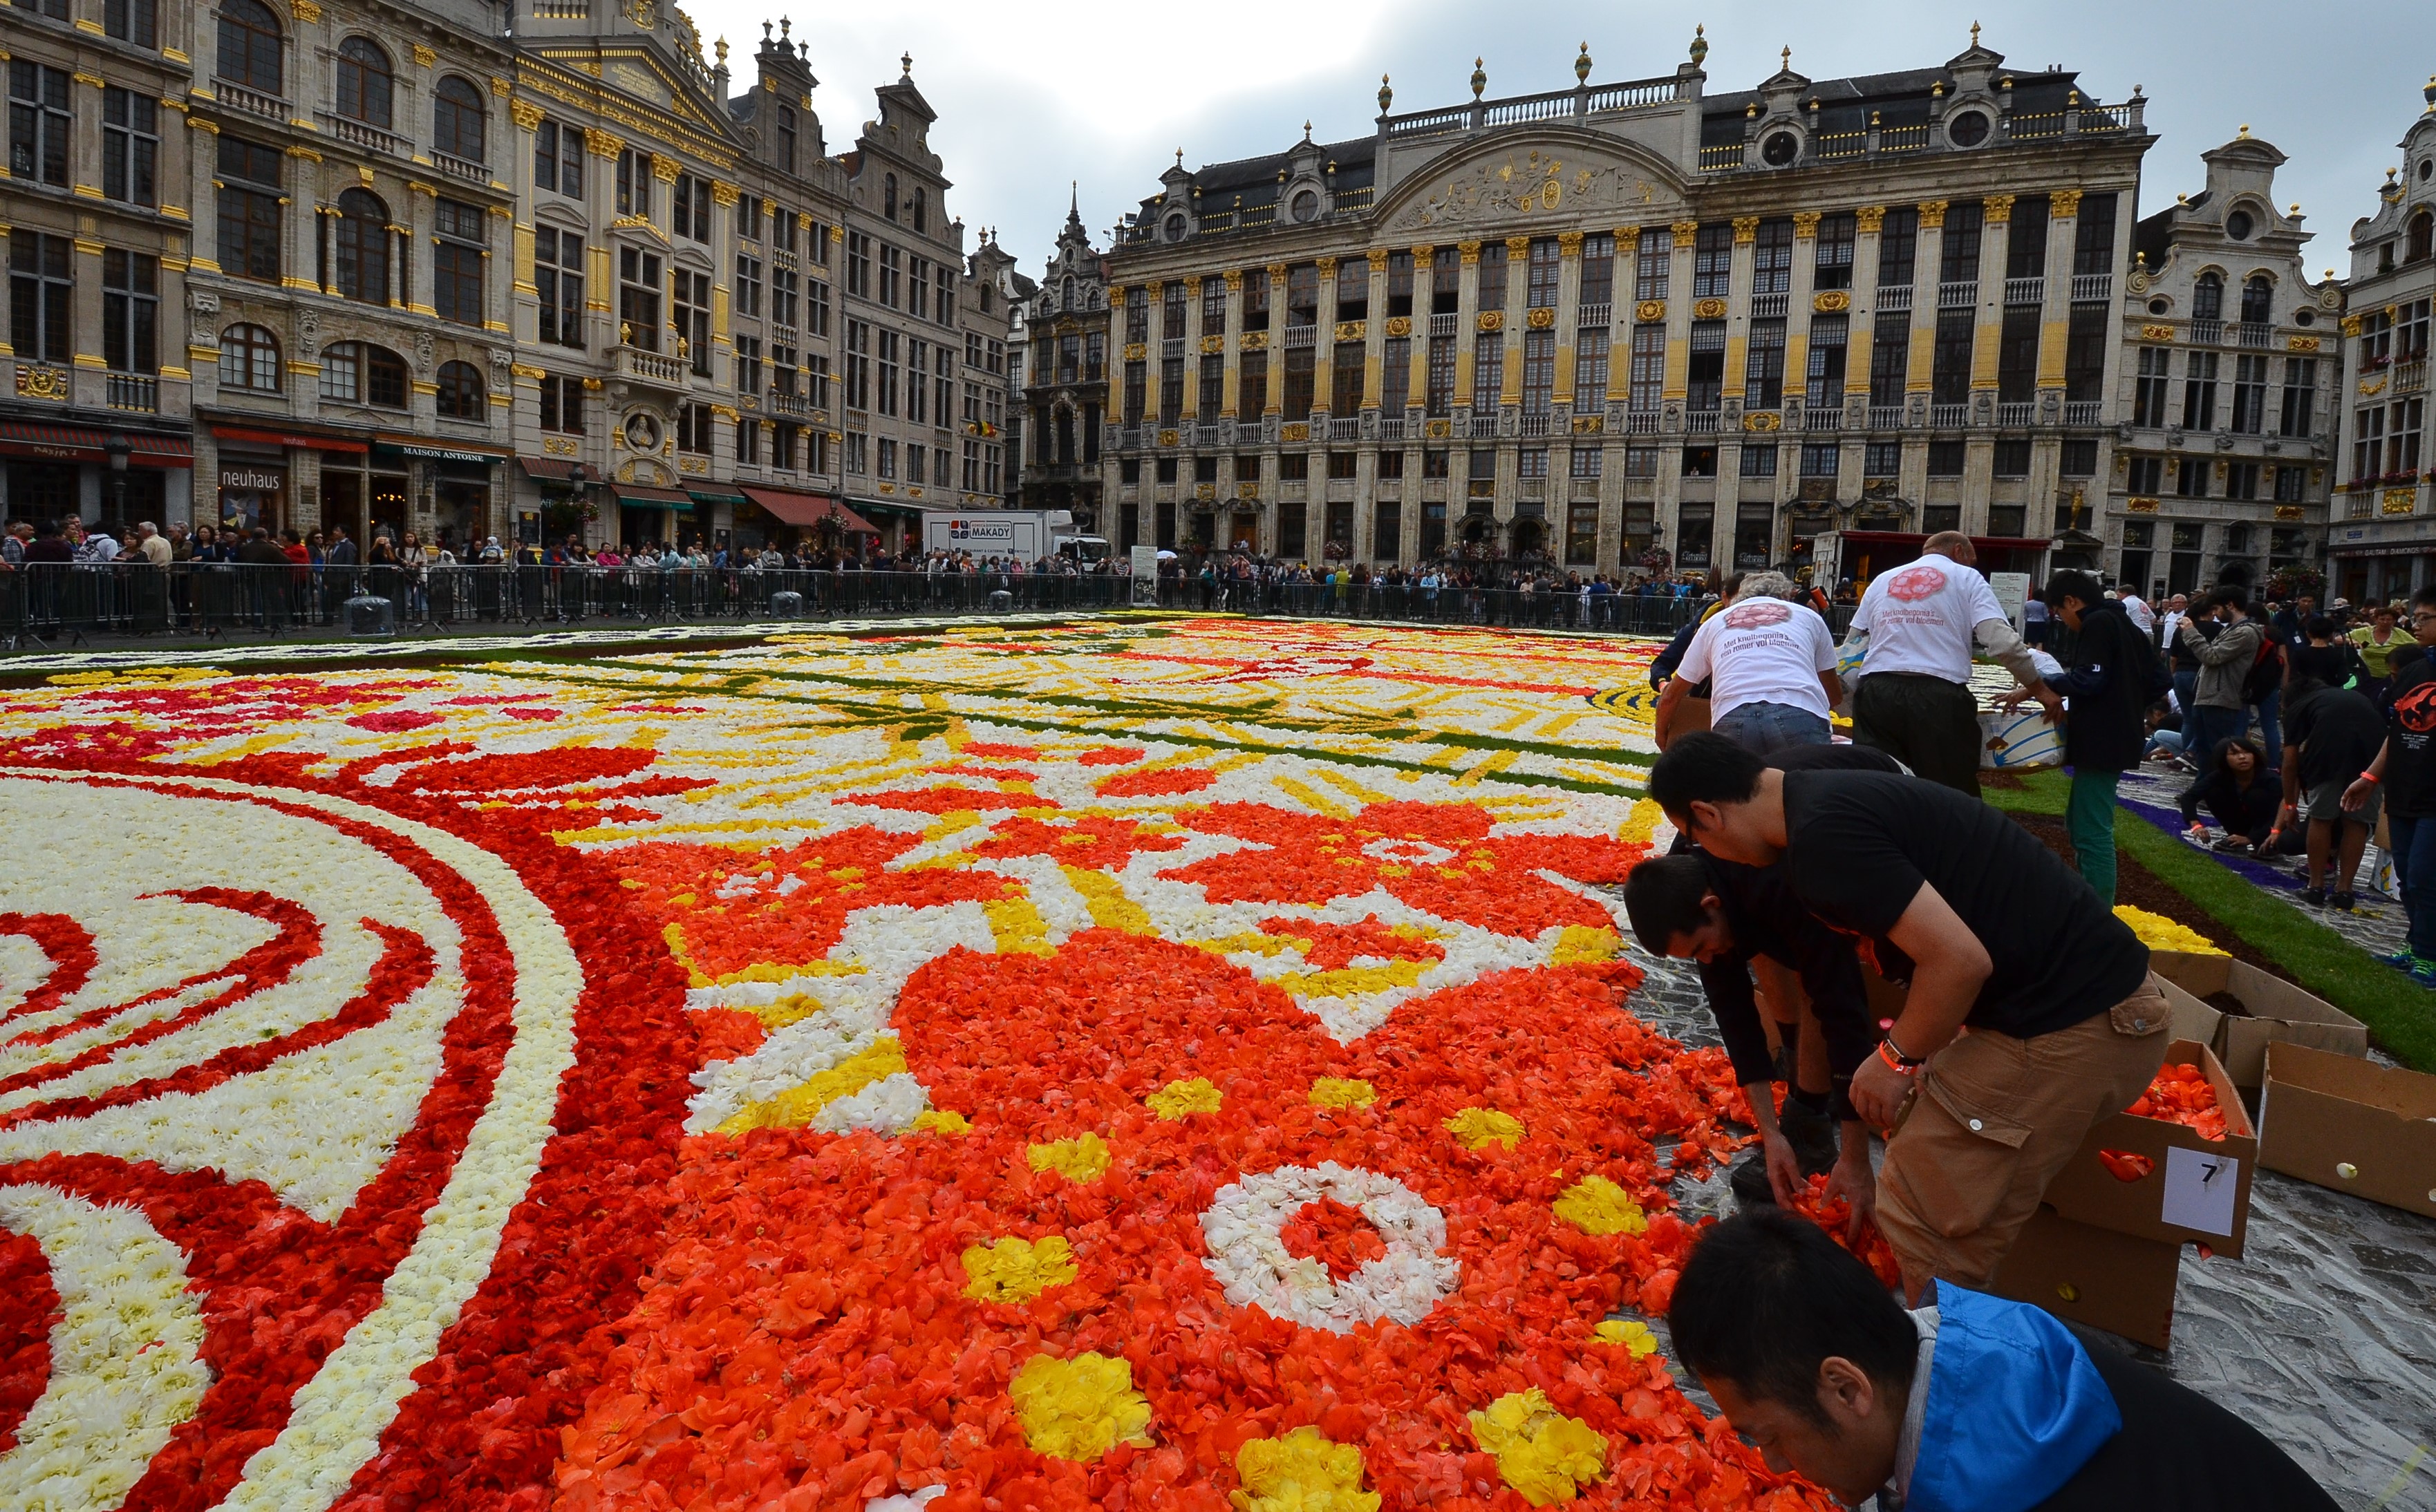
[
  {"x": 787, "y": 137},
  {"x": 888, "y": 196},
  {"x": 2238, "y": 225},
  {"x": 1175, "y": 226},
  {"x": 1304, "y": 206},
  {"x": 922, "y": 212}
]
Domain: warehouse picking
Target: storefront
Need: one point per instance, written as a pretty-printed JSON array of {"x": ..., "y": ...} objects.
[
  {"x": 57, "y": 472},
  {"x": 561, "y": 503},
  {"x": 450, "y": 488},
  {"x": 896, "y": 526},
  {"x": 291, "y": 478},
  {"x": 787, "y": 519},
  {"x": 652, "y": 516},
  {"x": 716, "y": 509}
]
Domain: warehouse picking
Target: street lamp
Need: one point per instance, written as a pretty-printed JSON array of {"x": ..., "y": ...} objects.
[{"x": 117, "y": 449}]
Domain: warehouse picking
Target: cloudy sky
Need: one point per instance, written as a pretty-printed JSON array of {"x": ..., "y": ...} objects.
[{"x": 1033, "y": 96}]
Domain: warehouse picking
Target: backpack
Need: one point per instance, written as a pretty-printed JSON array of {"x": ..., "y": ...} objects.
[{"x": 2266, "y": 672}]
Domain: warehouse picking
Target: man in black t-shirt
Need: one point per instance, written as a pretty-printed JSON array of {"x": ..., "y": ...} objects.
[
  {"x": 2330, "y": 736},
  {"x": 1995, "y": 935},
  {"x": 2405, "y": 772}
]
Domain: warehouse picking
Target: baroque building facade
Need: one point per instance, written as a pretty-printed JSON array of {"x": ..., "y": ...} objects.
[
  {"x": 1636, "y": 323},
  {"x": 1065, "y": 393},
  {"x": 467, "y": 283},
  {"x": 2225, "y": 429},
  {"x": 96, "y": 235},
  {"x": 2384, "y": 535}
]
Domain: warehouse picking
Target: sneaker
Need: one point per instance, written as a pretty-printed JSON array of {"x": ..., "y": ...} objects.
[
  {"x": 2341, "y": 902},
  {"x": 2314, "y": 896},
  {"x": 2400, "y": 960},
  {"x": 2422, "y": 972}
]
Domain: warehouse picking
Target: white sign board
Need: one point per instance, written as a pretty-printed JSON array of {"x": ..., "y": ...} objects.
[
  {"x": 1144, "y": 568},
  {"x": 2012, "y": 590},
  {"x": 2199, "y": 1189}
]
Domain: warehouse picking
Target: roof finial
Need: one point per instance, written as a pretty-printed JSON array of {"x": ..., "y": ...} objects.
[
  {"x": 765, "y": 31},
  {"x": 1479, "y": 77},
  {"x": 906, "y": 62},
  {"x": 786, "y": 27},
  {"x": 720, "y": 45},
  {"x": 1386, "y": 96},
  {"x": 2245, "y": 132},
  {"x": 1974, "y": 34},
  {"x": 1582, "y": 65},
  {"x": 1179, "y": 157},
  {"x": 1785, "y": 60},
  {"x": 1699, "y": 45},
  {"x": 1306, "y": 130}
]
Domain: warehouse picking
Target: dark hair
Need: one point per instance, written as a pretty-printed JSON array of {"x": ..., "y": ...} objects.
[
  {"x": 2258, "y": 767},
  {"x": 2318, "y": 627},
  {"x": 2409, "y": 655},
  {"x": 1703, "y": 767},
  {"x": 2078, "y": 585},
  {"x": 1663, "y": 896},
  {"x": 1767, "y": 1298},
  {"x": 2227, "y": 597},
  {"x": 2425, "y": 597}
]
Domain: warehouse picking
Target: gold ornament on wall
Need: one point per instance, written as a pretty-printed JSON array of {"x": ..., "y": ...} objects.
[
  {"x": 1650, "y": 309},
  {"x": 2299, "y": 343},
  {"x": 526, "y": 114},
  {"x": 1351, "y": 330},
  {"x": 1136, "y": 351},
  {"x": 1540, "y": 318},
  {"x": 304, "y": 10},
  {"x": 1687, "y": 233},
  {"x": 1299, "y": 430},
  {"x": 1932, "y": 213},
  {"x": 1762, "y": 420},
  {"x": 1805, "y": 225},
  {"x": 1709, "y": 309},
  {"x": 1998, "y": 209},
  {"x": 1870, "y": 218},
  {"x": 1437, "y": 429},
  {"x": 1569, "y": 243},
  {"x": 1492, "y": 319},
  {"x": 1746, "y": 229},
  {"x": 1253, "y": 341},
  {"x": 424, "y": 57},
  {"x": 2063, "y": 204},
  {"x": 1212, "y": 346},
  {"x": 1400, "y": 325},
  {"x": 1831, "y": 302},
  {"x": 2156, "y": 333}
]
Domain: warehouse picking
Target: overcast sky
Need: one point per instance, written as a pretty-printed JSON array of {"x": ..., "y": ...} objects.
[{"x": 1032, "y": 97}]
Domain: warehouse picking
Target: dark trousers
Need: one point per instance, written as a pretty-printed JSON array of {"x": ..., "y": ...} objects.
[{"x": 1926, "y": 722}]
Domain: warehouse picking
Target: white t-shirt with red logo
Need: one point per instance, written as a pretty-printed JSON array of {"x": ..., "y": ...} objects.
[
  {"x": 1761, "y": 650},
  {"x": 1920, "y": 617}
]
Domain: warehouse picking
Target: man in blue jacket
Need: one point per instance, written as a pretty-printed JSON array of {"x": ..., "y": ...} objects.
[
  {"x": 1969, "y": 1404},
  {"x": 2115, "y": 674}
]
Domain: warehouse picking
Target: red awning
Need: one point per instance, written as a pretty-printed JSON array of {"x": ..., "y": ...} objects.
[
  {"x": 636, "y": 494},
  {"x": 85, "y": 443},
  {"x": 547, "y": 469},
  {"x": 288, "y": 438},
  {"x": 808, "y": 508}
]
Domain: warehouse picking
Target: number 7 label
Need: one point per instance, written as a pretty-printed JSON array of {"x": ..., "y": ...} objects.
[{"x": 2199, "y": 1189}]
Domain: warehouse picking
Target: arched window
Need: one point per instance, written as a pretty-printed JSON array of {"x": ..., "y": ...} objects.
[
  {"x": 922, "y": 210},
  {"x": 365, "y": 84},
  {"x": 359, "y": 254},
  {"x": 2257, "y": 300},
  {"x": 2207, "y": 297},
  {"x": 250, "y": 44},
  {"x": 461, "y": 391},
  {"x": 2423, "y": 230},
  {"x": 457, "y": 119},
  {"x": 888, "y": 197},
  {"x": 357, "y": 373},
  {"x": 250, "y": 360}
]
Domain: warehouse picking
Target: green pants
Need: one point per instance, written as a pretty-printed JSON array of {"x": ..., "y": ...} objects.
[{"x": 2089, "y": 819}]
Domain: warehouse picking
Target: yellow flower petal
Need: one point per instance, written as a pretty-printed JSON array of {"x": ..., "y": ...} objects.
[
  {"x": 1597, "y": 1206},
  {"x": 941, "y": 1121},
  {"x": 1301, "y": 1472},
  {"x": 1176, "y": 1098},
  {"x": 1330, "y": 1092},
  {"x": 1079, "y": 1409},
  {"x": 2161, "y": 933},
  {"x": 1478, "y": 1127},
  {"x": 1631, "y": 1332},
  {"x": 1077, "y": 1159},
  {"x": 1540, "y": 1452},
  {"x": 1017, "y": 1270}
]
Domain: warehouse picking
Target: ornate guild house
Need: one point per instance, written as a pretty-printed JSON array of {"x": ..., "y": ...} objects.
[
  {"x": 1066, "y": 393},
  {"x": 1637, "y": 323}
]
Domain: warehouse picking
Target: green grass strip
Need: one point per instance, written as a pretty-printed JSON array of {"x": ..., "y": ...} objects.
[{"x": 2400, "y": 1014}]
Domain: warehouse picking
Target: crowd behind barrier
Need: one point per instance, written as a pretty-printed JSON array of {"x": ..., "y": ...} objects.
[{"x": 41, "y": 602}]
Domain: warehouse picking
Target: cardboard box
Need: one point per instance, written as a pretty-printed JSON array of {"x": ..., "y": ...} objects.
[
  {"x": 2280, "y": 1012},
  {"x": 2351, "y": 1126},
  {"x": 2095, "y": 1277},
  {"x": 2155, "y": 1179}
]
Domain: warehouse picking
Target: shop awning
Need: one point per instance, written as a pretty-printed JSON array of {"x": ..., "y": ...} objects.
[
  {"x": 654, "y": 498},
  {"x": 86, "y": 444},
  {"x": 717, "y": 494},
  {"x": 289, "y": 438},
  {"x": 808, "y": 508},
  {"x": 547, "y": 469},
  {"x": 882, "y": 506}
]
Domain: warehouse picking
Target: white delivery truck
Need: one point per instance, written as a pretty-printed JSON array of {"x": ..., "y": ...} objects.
[{"x": 1026, "y": 535}]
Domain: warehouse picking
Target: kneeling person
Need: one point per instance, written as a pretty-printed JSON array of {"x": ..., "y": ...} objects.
[{"x": 1969, "y": 1404}]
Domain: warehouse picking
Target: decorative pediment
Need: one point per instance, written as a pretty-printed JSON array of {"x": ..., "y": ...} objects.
[{"x": 1518, "y": 181}]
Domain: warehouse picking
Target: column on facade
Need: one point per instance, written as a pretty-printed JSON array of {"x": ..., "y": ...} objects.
[
  {"x": 1799, "y": 312},
  {"x": 526, "y": 118},
  {"x": 1622, "y": 316},
  {"x": 1928, "y": 262},
  {"x": 1869, "y": 223},
  {"x": 1230, "y": 338},
  {"x": 1567, "y": 314},
  {"x": 299, "y": 222},
  {"x": 600, "y": 277},
  {"x": 1467, "y": 319},
  {"x": 1374, "y": 330},
  {"x": 1677, "y": 386},
  {"x": 416, "y": 247},
  {"x": 1734, "y": 409},
  {"x": 2055, "y": 322},
  {"x": 498, "y": 296},
  {"x": 723, "y": 266},
  {"x": 1323, "y": 341},
  {"x": 1996, "y": 250},
  {"x": 1417, "y": 378},
  {"x": 1273, "y": 394},
  {"x": 1517, "y": 284}
]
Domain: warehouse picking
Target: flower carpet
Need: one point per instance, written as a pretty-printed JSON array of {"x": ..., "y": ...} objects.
[{"x": 1153, "y": 1064}]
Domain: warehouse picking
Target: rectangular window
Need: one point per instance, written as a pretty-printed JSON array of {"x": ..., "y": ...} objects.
[
  {"x": 1538, "y": 371},
  {"x": 1758, "y": 461},
  {"x": 858, "y": 453},
  {"x": 1400, "y": 287},
  {"x": 1341, "y": 464},
  {"x": 1489, "y": 289},
  {"x": 2148, "y": 388},
  {"x": 1434, "y": 462},
  {"x": 1299, "y": 375},
  {"x": 634, "y": 182},
  {"x": 2249, "y": 396},
  {"x": 1831, "y": 266},
  {"x": 1882, "y": 459},
  {"x": 816, "y": 306},
  {"x": 133, "y": 21},
  {"x": 457, "y": 261},
  {"x": 1590, "y": 367},
  {"x": 748, "y": 364},
  {"x": 1441, "y": 375},
  {"x": 2088, "y": 351},
  {"x": 1488, "y": 370},
  {"x": 1214, "y": 389},
  {"x": 1292, "y": 467},
  {"x": 1395, "y": 373},
  {"x": 1214, "y": 305},
  {"x": 786, "y": 293},
  {"x": 1694, "y": 533},
  {"x": 748, "y": 217},
  {"x": 1302, "y": 299},
  {"x": 1945, "y": 459},
  {"x": 40, "y": 297},
  {"x": 1648, "y": 374},
  {"x": 917, "y": 382},
  {"x": 689, "y": 208},
  {"x": 1446, "y": 281},
  {"x": 1707, "y": 372},
  {"x": 2017, "y": 357},
  {"x": 2368, "y": 442},
  {"x": 2291, "y": 483},
  {"x": 2407, "y": 420},
  {"x": 1898, "y": 247},
  {"x": 1712, "y": 261},
  {"x": 748, "y": 284},
  {"x": 2241, "y": 481},
  {"x": 1171, "y": 388},
  {"x": 1546, "y": 266},
  {"x": 1700, "y": 461},
  {"x": 892, "y": 274},
  {"x": 2025, "y": 244},
  {"x": 1599, "y": 269},
  {"x": 1137, "y": 383},
  {"x": 1823, "y": 385},
  {"x": 39, "y": 123},
  {"x": 1820, "y": 459},
  {"x": 2080, "y": 458},
  {"x": 558, "y": 160},
  {"x": 131, "y": 146},
  {"x": 562, "y": 404},
  {"x": 1959, "y": 248},
  {"x": 891, "y": 363},
  {"x": 249, "y": 209},
  {"x": 1586, "y": 462},
  {"x": 2191, "y": 477},
  {"x": 131, "y": 311},
  {"x": 1352, "y": 291},
  {"x": 2199, "y": 391},
  {"x": 1532, "y": 462},
  {"x": 1653, "y": 263},
  {"x": 2093, "y": 237},
  {"x": 1764, "y": 366},
  {"x": 1949, "y": 361},
  {"x": 858, "y": 264},
  {"x": 691, "y": 311},
  {"x": 2299, "y": 416},
  {"x": 2013, "y": 457},
  {"x": 1772, "y": 258},
  {"x": 887, "y": 459},
  {"x": 782, "y": 229},
  {"x": 638, "y": 298},
  {"x": 2145, "y": 477},
  {"x": 917, "y": 289},
  {"x": 558, "y": 276},
  {"x": 1889, "y": 357}
]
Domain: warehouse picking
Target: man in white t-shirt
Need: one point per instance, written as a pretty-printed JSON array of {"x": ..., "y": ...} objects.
[
  {"x": 1912, "y": 696},
  {"x": 2141, "y": 614},
  {"x": 1770, "y": 664}
]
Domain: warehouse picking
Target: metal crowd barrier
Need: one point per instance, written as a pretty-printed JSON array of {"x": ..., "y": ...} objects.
[{"x": 44, "y": 603}]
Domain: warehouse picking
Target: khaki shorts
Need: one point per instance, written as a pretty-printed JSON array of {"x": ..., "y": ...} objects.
[
  {"x": 1994, "y": 1118},
  {"x": 2323, "y": 804}
]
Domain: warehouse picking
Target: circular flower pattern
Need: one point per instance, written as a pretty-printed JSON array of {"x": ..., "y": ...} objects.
[{"x": 1245, "y": 1228}]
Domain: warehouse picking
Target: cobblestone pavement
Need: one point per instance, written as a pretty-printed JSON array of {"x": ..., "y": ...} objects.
[{"x": 2323, "y": 1335}]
